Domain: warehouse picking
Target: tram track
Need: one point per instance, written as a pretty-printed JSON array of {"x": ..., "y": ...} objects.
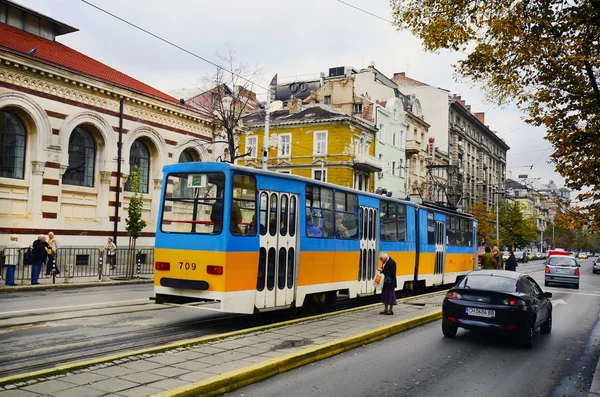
[{"x": 15, "y": 361}]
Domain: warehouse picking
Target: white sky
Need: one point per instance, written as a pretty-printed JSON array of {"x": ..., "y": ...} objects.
[{"x": 284, "y": 37}]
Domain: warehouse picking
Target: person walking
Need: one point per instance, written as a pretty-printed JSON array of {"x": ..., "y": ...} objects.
[
  {"x": 488, "y": 261},
  {"x": 511, "y": 262},
  {"x": 498, "y": 258},
  {"x": 40, "y": 252},
  {"x": 12, "y": 258},
  {"x": 388, "y": 292},
  {"x": 111, "y": 249},
  {"x": 52, "y": 248}
]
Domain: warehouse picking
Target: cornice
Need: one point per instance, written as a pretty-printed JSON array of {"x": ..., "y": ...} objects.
[{"x": 96, "y": 87}]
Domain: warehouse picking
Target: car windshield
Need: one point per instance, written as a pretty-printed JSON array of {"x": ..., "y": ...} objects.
[
  {"x": 488, "y": 282},
  {"x": 562, "y": 261}
]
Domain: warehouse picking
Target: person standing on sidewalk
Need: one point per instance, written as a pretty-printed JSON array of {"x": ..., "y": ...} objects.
[
  {"x": 12, "y": 258},
  {"x": 52, "y": 248},
  {"x": 388, "y": 292},
  {"x": 40, "y": 247},
  {"x": 511, "y": 262},
  {"x": 488, "y": 261},
  {"x": 110, "y": 249}
]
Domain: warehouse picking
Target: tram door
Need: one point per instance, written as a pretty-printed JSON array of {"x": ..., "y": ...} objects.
[
  {"x": 368, "y": 249},
  {"x": 277, "y": 264},
  {"x": 440, "y": 252}
]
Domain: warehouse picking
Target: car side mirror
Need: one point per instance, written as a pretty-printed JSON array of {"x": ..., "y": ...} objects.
[{"x": 548, "y": 294}]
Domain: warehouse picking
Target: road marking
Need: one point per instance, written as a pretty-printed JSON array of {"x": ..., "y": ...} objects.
[
  {"x": 74, "y": 306},
  {"x": 558, "y": 302},
  {"x": 569, "y": 292}
]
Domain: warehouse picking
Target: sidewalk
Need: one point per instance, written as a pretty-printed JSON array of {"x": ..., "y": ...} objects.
[
  {"x": 211, "y": 366},
  {"x": 75, "y": 282}
]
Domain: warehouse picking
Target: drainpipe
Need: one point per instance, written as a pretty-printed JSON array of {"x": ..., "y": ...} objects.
[{"x": 119, "y": 149}]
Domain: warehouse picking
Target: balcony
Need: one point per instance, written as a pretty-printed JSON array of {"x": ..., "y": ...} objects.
[
  {"x": 412, "y": 147},
  {"x": 367, "y": 163}
]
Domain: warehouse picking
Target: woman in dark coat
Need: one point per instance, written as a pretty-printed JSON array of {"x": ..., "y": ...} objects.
[
  {"x": 388, "y": 292},
  {"x": 511, "y": 262}
]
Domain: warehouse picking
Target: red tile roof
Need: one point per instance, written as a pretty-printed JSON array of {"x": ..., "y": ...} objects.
[{"x": 55, "y": 53}]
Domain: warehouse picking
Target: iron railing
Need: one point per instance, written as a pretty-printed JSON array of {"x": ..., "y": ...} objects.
[{"x": 72, "y": 262}]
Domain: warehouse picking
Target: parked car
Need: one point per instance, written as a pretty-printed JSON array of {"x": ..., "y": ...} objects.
[
  {"x": 562, "y": 270},
  {"x": 521, "y": 256},
  {"x": 538, "y": 255},
  {"x": 497, "y": 301},
  {"x": 596, "y": 266},
  {"x": 582, "y": 255},
  {"x": 530, "y": 255}
]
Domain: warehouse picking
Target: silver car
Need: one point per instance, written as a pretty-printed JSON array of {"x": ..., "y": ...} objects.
[
  {"x": 562, "y": 270},
  {"x": 596, "y": 266}
]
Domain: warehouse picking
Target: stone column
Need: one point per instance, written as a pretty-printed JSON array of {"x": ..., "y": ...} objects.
[
  {"x": 36, "y": 189},
  {"x": 157, "y": 187},
  {"x": 103, "y": 210}
]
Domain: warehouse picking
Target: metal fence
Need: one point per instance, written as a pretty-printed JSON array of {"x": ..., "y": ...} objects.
[{"x": 72, "y": 262}]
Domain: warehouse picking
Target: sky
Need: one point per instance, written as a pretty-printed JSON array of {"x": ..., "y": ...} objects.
[{"x": 290, "y": 38}]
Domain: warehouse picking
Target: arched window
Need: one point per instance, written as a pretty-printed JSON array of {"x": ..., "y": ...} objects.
[
  {"x": 13, "y": 138},
  {"x": 82, "y": 155},
  {"x": 187, "y": 156},
  {"x": 139, "y": 161}
]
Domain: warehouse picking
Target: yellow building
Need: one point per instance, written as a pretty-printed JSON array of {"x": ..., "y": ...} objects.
[{"x": 315, "y": 142}]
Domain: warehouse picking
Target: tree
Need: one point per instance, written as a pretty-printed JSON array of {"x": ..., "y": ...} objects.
[
  {"x": 229, "y": 95},
  {"x": 134, "y": 221},
  {"x": 542, "y": 54},
  {"x": 486, "y": 224},
  {"x": 515, "y": 230}
]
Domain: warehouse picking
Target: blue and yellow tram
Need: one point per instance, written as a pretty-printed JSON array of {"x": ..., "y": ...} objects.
[{"x": 257, "y": 240}]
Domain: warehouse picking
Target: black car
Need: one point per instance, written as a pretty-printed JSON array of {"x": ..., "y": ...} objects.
[{"x": 499, "y": 301}]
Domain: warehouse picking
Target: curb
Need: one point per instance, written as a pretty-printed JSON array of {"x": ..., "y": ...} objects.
[
  {"x": 236, "y": 379},
  {"x": 72, "y": 285}
]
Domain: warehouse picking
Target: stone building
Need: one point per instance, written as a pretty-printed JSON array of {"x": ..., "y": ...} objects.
[
  {"x": 60, "y": 124},
  {"x": 477, "y": 156}
]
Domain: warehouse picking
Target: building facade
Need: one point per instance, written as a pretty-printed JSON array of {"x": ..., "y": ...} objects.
[
  {"x": 62, "y": 115},
  {"x": 315, "y": 142}
]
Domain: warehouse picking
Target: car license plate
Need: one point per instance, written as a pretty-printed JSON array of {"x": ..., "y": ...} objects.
[
  {"x": 473, "y": 311},
  {"x": 563, "y": 271}
]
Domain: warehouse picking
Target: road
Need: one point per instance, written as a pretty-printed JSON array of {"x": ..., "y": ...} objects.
[
  {"x": 421, "y": 362},
  {"x": 41, "y": 329}
]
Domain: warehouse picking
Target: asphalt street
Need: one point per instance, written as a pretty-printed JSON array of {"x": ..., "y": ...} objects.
[{"x": 421, "y": 362}]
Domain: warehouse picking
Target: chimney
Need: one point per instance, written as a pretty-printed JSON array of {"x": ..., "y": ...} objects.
[
  {"x": 241, "y": 91},
  {"x": 480, "y": 116},
  {"x": 469, "y": 108},
  {"x": 401, "y": 74}
]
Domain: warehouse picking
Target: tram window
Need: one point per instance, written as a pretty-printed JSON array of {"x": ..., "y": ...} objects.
[
  {"x": 401, "y": 222},
  {"x": 282, "y": 268},
  {"x": 387, "y": 221},
  {"x": 198, "y": 208},
  {"x": 273, "y": 215},
  {"x": 262, "y": 267},
  {"x": 459, "y": 232},
  {"x": 271, "y": 269},
  {"x": 346, "y": 216},
  {"x": 243, "y": 206},
  {"x": 264, "y": 205},
  {"x": 293, "y": 216},
  {"x": 283, "y": 224},
  {"x": 290, "y": 270},
  {"x": 319, "y": 212},
  {"x": 450, "y": 222},
  {"x": 430, "y": 228}
]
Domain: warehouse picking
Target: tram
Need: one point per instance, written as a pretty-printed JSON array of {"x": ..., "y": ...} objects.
[{"x": 258, "y": 240}]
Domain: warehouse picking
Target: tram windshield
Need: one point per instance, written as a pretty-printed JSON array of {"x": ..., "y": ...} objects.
[{"x": 193, "y": 203}]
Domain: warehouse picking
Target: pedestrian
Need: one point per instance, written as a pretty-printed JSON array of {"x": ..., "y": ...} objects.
[
  {"x": 110, "y": 249},
  {"x": 511, "y": 262},
  {"x": 498, "y": 258},
  {"x": 52, "y": 248},
  {"x": 12, "y": 258},
  {"x": 488, "y": 261},
  {"x": 40, "y": 252},
  {"x": 388, "y": 292}
]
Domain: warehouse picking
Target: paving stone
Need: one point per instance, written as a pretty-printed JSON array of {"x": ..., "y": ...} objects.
[
  {"x": 195, "y": 376},
  {"x": 113, "y": 385},
  {"x": 168, "y": 384},
  {"x": 84, "y": 379},
  {"x": 10, "y": 387},
  {"x": 142, "y": 378},
  {"x": 167, "y": 360},
  {"x": 17, "y": 393},
  {"x": 133, "y": 358},
  {"x": 253, "y": 350},
  {"x": 50, "y": 386},
  {"x": 192, "y": 365},
  {"x": 20, "y": 384},
  {"x": 81, "y": 391},
  {"x": 212, "y": 360},
  {"x": 142, "y": 365},
  {"x": 113, "y": 372},
  {"x": 208, "y": 350},
  {"x": 169, "y": 372},
  {"x": 232, "y": 355},
  {"x": 221, "y": 369},
  {"x": 190, "y": 355},
  {"x": 140, "y": 391}
]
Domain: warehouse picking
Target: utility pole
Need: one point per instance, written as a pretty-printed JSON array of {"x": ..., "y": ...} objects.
[{"x": 497, "y": 220}]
